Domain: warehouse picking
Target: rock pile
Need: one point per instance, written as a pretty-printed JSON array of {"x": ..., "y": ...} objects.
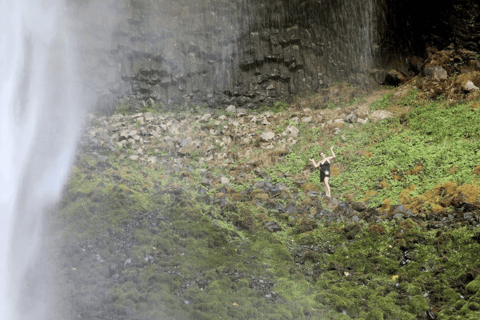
[
  {"x": 455, "y": 74},
  {"x": 151, "y": 137}
]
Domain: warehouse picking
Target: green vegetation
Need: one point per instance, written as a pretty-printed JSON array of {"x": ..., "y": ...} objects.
[
  {"x": 187, "y": 249},
  {"x": 345, "y": 103},
  {"x": 382, "y": 103}
]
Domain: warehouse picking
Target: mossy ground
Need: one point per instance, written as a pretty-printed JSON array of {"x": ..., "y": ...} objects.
[{"x": 147, "y": 242}]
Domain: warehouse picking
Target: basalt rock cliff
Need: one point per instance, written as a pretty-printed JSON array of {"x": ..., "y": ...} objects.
[{"x": 250, "y": 53}]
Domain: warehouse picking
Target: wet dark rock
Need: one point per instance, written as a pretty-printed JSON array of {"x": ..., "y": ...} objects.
[
  {"x": 379, "y": 75},
  {"x": 435, "y": 225},
  {"x": 299, "y": 55},
  {"x": 265, "y": 185},
  {"x": 436, "y": 73},
  {"x": 313, "y": 194},
  {"x": 273, "y": 192},
  {"x": 223, "y": 202},
  {"x": 398, "y": 216},
  {"x": 394, "y": 78},
  {"x": 247, "y": 191},
  {"x": 358, "y": 206},
  {"x": 343, "y": 209},
  {"x": 468, "y": 207},
  {"x": 291, "y": 209},
  {"x": 306, "y": 225},
  {"x": 280, "y": 208},
  {"x": 273, "y": 226},
  {"x": 398, "y": 208},
  {"x": 409, "y": 213}
]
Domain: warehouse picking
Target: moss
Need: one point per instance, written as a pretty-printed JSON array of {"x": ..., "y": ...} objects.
[
  {"x": 306, "y": 225},
  {"x": 222, "y": 261},
  {"x": 375, "y": 314},
  {"x": 309, "y": 187},
  {"x": 474, "y": 286}
]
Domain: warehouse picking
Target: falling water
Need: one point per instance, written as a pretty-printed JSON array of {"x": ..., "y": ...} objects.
[{"x": 39, "y": 124}]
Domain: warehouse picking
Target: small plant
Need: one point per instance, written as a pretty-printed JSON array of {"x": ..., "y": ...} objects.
[
  {"x": 383, "y": 103},
  {"x": 122, "y": 108}
]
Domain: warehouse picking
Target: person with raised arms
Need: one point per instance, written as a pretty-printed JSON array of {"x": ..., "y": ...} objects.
[{"x": 324, "y": 165}]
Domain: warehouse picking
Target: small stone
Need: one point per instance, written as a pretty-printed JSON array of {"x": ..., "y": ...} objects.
[
  {"x": 380, "y": 115},
  {"x": 224, "y": 180},
  {"x": 134, "y": 157},
  {"x": 231, "y": 108},
  {"x": 293, "y": 131},
  {"x": 148, "y": 117},
  {"x": 267, "y": 136},
  {"x": 351, "y": 118},
  {"x": 469, "y": 86},
  {"x": 241, "y": 112},
  {"x": 152, "y": 160},
  {"x": 205, "y": 118}
]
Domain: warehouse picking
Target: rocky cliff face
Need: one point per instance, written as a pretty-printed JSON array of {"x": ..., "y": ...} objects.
[{"x": 249, "y": 53}]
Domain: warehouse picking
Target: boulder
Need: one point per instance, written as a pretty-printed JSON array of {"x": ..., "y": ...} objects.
[
  {"x": 436, "y": 73},
  {"x": 224, "y": 180},
  {"x": 267, "y": 136},
  {"x": 231, "y": 108},
  {"x": 292, "y": 131},
  {"x": 394, "y": 78},
  {"x": 206, "y": 117},
  {"x": 379, "y": 75},
  {"x": 380, "y": 115},
  {"x": 351, "y": 118},
  {"x": 358, "y": 206},
  {"x": 469, "y": 86},
  {"x": 241, "y": 112}
]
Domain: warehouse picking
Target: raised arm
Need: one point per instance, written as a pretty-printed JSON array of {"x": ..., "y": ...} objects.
[
  {"x": 333, "y": 153},
  {"x": 315, "y": 164}
]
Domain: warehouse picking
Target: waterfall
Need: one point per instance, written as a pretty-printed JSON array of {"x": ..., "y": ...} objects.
[{"x": 40, "y": 120}]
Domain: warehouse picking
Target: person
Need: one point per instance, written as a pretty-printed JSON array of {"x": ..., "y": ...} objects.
[{"x": 324, "y": 165}]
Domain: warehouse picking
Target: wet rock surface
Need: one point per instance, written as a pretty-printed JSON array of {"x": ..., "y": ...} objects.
[{"x": 253, "y": 53}]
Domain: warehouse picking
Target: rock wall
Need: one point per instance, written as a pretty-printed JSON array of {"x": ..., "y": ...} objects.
[{"x": 250, "y": 53}]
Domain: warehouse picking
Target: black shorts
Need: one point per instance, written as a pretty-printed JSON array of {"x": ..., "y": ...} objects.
[{"x": 323, "y": 175}]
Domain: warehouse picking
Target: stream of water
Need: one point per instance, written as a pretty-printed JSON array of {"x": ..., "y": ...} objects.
[{"x": 40, "y": 120}]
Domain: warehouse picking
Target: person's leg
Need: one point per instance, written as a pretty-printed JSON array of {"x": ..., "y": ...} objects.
[{"x": 327, "y": 187}]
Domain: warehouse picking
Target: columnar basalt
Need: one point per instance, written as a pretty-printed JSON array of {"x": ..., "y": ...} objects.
[{"x": 250, "y": 53}]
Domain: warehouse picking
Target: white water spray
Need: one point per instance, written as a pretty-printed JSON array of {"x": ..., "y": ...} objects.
[{"x": 40, "y": 120}]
